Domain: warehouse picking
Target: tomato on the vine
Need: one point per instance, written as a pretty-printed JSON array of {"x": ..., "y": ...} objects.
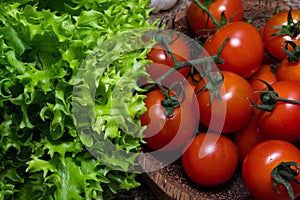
[
  {"x": 202, "y": 24},
  {"x": 231, "y": 107},
  {"x": 243, "y": 53},
  {"x": 210, "y": 159},
  {"x": 277, "y": 111},
  {"x": 162, "y": 61},
  {"x": 267, "y": 158},
  {"x": 274, "y": 37},
  {"x": 167, "y": 131}
]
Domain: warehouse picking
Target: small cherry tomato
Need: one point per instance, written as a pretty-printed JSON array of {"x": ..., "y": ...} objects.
[
  {"x": 243, "y": 53},
  {"x": 162, "y": 62},
  {"x": 277, "y": 118},
  {"x": 201, "y": 23},
  {"x": 210, "y": 159},
  {"x": 231, "y": 107},
  {"x": 268, "y": 156},
  {"x": 274, "y": 44},
  {"x": 167, "y": 132}
]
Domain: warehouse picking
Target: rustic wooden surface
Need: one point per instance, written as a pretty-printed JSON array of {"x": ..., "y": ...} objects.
[{"x": 171, "y": 182}]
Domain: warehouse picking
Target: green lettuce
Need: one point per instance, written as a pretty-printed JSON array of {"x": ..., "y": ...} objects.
[{"x": 42, "y": 47}]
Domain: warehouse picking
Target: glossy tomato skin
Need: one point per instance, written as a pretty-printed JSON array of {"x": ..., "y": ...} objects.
[
  {"x": 258, "y": 164},
  {"x": 265, "y": 73},
  {"x": 202, "y": 159},
  {"x": 247, "y": 138},
  {"x": 167, "y": 133},
  {"x": 162, "y": 62},
  {"x": 233, "y": 107},
  {"x": 243, "y": 53},
  {"x": 199, "y": 20},
  {"x": 288, "y": 71},
  {"x": 275, "y": 44},
  {"x": 283, "y": 121}
]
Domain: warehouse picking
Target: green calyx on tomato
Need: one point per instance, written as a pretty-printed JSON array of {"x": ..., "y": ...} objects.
[
  {"x": 268, "y": 155},
  {"x": 165, "y": 41},
  {"x": 269, "y": 98},
  {"x": 207, "y": 2},
  {"x": 292, "y": 28},
  {"x": 284, "y": 173},
  {"x": 214, "y": 77},
  {"x": 293, "y": 56},
  {"x": 274, "y": 68},
  {"x": 214, "y": 82},
  {"x": 172, "y": 101}
]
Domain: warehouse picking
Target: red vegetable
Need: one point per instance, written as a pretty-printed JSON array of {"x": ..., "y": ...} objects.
[
  {"x": 268, "y": 166},
  {"x": 210, "y": 159}
]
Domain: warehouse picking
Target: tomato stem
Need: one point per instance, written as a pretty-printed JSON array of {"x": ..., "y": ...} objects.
[
  {"x": 284, "y": 173},
  {"x": 268, "y": 55},
  {"x": 269, "y": 98},
  {"x": 292, "y": 28},
  {"x": 171, "y": 101},
  {"x": 292, "y": 56},
  {"x": 287, "y": 100},
  {"x": 213, "y": 85},
  {"x": 215, "y": 78},
  {"x": 178, "y": 65},
  {"x": 205, "y": 9},
  {"x": 208, "y": 2},
  {"x": 217, "y": 57}
]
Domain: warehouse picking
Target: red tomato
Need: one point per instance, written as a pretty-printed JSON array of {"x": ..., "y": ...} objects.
[
  {"x": 275, "y": 44},
  {"x": 247, "y": 138},
  {"x": 243, "y": 53},
  {"x": 163, "y": 132},
  {"x": 288, "y": 71},
  {"x": 265, "y": 73},
  {"x": 234, "y": 109},
  {"x": 283, "y": 121},
  {"x": 199, "y": 21},
  {"x": 162, "y": 62},
  {"x": 210, "y": 159},
  {"x": 259, "y": 163}
]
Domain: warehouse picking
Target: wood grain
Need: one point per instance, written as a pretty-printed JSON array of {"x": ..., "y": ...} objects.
[{"x": 171, "y": 182}]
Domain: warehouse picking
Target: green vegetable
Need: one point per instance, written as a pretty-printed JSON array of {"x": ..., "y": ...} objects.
[{"x": 43, "y": 45}]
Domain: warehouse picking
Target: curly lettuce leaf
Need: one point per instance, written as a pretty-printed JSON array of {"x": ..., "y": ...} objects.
[{"x": 42, "y": 46}]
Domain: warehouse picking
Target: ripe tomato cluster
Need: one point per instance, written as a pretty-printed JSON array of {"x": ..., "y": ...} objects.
[{"x": 244, "y": 107}]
